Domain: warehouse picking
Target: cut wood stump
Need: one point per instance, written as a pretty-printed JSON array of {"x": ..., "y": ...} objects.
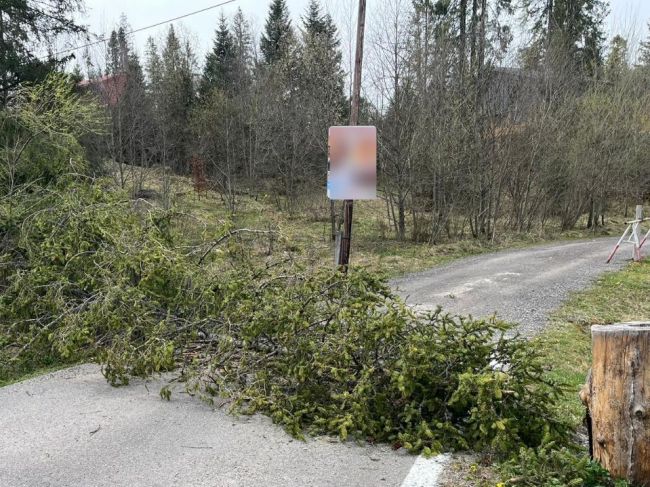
[{"x": 618, "y": 398}]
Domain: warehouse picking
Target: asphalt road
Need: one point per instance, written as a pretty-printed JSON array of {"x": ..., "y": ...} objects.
[
  {"x": 521, "y": 286},
  {"x": 70, "y": 428}
]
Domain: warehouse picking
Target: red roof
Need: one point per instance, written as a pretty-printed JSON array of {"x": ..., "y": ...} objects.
[{"x": 110, "y": 87}]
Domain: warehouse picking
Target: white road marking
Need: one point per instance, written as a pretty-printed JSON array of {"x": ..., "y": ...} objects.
[{"x": 425, "y": 472}]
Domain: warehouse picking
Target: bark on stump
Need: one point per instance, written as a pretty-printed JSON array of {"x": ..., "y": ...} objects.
[{"x": 619, "y": 400}]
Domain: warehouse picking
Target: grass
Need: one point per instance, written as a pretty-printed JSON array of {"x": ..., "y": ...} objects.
[
  {"x": 374, "y": 244},
  {"x": 616, "y": 297}
]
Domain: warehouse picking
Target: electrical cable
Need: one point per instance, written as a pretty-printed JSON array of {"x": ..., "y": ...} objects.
[{"x": 141, "y": 29}]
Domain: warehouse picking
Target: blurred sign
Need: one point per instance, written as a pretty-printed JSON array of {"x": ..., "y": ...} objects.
[{"x": 352, "y": 171}]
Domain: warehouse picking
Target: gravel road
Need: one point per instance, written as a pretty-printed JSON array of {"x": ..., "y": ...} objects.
[
  {"x": 70, "y": 428},
  {"x": 521, "y": 286}
]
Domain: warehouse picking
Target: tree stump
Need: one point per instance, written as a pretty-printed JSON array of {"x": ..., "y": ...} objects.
[{"x": 619, "y": 400}]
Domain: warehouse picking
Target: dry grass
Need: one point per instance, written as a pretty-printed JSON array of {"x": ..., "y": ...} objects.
[{"x": 308, "y": 232}]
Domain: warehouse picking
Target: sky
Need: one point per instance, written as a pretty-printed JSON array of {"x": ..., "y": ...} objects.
[{"x": 628, "y": 17}]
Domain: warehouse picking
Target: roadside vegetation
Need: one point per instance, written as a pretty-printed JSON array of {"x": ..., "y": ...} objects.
[
  {"x": 90, "y": 274},
  {"x": 94, "y": 275},
  {"x": 375, "y": 246},
  {"x": 616, "y": 297},
  {"x": 248, "y": 318},
  {"x": 566, "y": 349},
  {"x": 480, "y": 139}
]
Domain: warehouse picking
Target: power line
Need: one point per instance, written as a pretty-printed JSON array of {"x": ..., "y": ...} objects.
[{"x": 135, "y": 31}]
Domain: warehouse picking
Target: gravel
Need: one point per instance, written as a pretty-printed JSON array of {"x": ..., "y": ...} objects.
[{"x": 520, "y": 286}]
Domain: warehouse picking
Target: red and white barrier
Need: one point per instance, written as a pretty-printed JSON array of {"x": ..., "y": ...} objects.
[{"x": 632, "y": 235}]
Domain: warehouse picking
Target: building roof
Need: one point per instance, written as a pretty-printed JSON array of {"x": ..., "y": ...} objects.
[{"x": 109, "y": 88}]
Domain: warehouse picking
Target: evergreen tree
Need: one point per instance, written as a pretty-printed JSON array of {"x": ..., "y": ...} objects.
[
  {"x": 220, "y": 62},
  {"x": 644, "y": 52},
  {"x": 23, "y": 27},
  {"x": 77, "y": 74},
  {"x": 119, "y": 49},
  {"x": 616, "y": 65},
  {"x": 112, "y": 54},
  {"x": 320, "y": 88},
  {"x": 153, "y": 67},
  {"x": 243, "y": 50},
  {"x": 278, "y": 33},
  {"x": 92, "y": 72},
  {"x": 321, "y": 74},
  {"x": 128, "y": 106},
  {"x": 314, "y": 22},
  {"x": 154, "y": 96},
  {"x": 574, "y": 25},
  {"x": 135, "y": 92},
  {"x": 176, "y": 100}
]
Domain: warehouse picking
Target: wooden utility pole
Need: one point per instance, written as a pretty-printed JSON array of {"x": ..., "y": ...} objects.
[
  {"x": 344, "y": 251},
  {"x": 618, "y": 397}
]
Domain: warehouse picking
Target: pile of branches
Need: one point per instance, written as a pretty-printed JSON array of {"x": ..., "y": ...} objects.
[
  {"x": 86, "y": 274},
  {"x": 333, "y": 354}
]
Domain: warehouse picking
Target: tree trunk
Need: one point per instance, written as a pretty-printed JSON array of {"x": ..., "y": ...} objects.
[
  {"x": 619, "y": 400},
  {"x": 401, "y": 215},
  {"x": 462, "y": 46},
  {"x": 4, "y": 90}
]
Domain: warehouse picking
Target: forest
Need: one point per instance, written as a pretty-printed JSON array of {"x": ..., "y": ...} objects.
[{"x": 475, "y": 140}]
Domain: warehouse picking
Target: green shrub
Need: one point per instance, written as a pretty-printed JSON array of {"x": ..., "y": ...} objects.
[
  {"x": 342, "y": 355},
  {"x": 325, "y": 353}
]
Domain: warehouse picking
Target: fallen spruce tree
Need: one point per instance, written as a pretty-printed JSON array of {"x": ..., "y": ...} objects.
[{"x": 87, "y": 273}]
